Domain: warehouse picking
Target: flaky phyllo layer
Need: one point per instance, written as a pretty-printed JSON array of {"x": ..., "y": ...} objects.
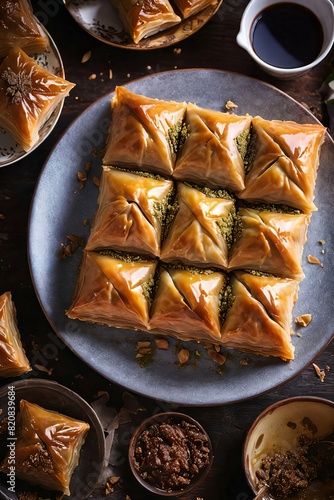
[{"x": 201, "y": 223}]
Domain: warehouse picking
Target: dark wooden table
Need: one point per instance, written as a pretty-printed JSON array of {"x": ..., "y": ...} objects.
[{"x": 213, "y": 46}]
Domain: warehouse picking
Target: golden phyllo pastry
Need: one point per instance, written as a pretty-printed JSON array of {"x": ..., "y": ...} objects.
[
  {"x": 13, "y": 360},
  {"x": 28, "y": 96},
  {"x": 259, "y": 319},
  {"x": 143, "y": 18},
  {"x": 270, "y": 240},
  {"x": 190, "y": 7},
  {"x": 213, "y": 149},
  {"x": 201, "y": 231},
  {"x": 131, "y": 212},
  {"x": 285, "y": 159},
  {"x": 20, "y": 28},
  {"x": 114, "y": 289},
  {"x": 186, "y": 304},
  {"x": 144, "y": 132},
  {"x": 47, "y": 448}
]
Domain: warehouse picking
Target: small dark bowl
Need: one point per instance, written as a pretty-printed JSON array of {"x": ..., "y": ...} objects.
[{"x": 176, "y": 418}]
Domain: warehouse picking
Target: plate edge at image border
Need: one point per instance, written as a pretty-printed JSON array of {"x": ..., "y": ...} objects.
[
  {"x": 171, "y": 398},
  {"x": 132, "y": 46}
]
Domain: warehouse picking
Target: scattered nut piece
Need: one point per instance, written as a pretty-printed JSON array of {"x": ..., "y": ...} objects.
[
  {"x": 322, "y": 242},
  {"x": 313, "y": 260},
  {"x": 82, "y": 176},
  {"x": 2, "y": 217},
  {"x": 110, "y": 74},
  {"x": 230, "y": 105},
  {"x": 219, "y": 358},
  {"x": 303, "y": 319},
  {"x": 88, "y": 165},
  {"x": 141, "y": 344},
  {"x": 148, "y": 67},
  {"x": 92, "y": 76},
  {"x": 96, "y": 181},
  {"x": 177, "y": 51},
  {"x": 183, "y": 356},
  {"x": 42, "y": 368},
  {"x": 319, "y": 372},
  {"x": 162, "y": 343},
  {"x": 128, "y": 75},
  {"x": 86, "y": 56}
]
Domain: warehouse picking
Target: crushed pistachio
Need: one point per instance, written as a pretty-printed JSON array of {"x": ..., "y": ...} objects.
[
  {"x": 237, "y": 226},
  {"x": 191, "y": 269},
  {"x": 148, "y": 287},
  {"x": 226, "y": 227},
  {"x": 211, "y": 193},
  {"x": 258, "y": 273},
  {"x": 171, "y": 211},
  {"x": 226, "y": 299},
  {"x": 177, "y": 134},
  {"x": 19, "y": 85},
  {"x": 161, "y": 208},
  {"x": 250, "y": 153},
  {"x": 242, "y": 142},
  {"x": 125, "y": 257}
]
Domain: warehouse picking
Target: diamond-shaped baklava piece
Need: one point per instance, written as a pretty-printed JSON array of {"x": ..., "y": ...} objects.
[
  {"x": 114, "y": 289},
  {"x": 201, "y": 230},
  {"x": 47, "y": 448},
  {"x": 28, "y": 96},
  {"x": 270, "y": 239},
  {"x": 131, "y": 212},
  {"x": 259, "y": 319},
  {"x": 144, "y": 132},
  {"x": 285, "y": 159},
  {"x": 214, "y": 148},
  {"x": 13, "y": 360},
  {"x": 186, "y": 304}
]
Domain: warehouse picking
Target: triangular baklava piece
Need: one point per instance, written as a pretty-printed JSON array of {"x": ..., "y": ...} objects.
[
  {"x": 20, "y": 28},
  {"x": 144, "y": 132},
  {"x": 47, "y": 448},
  {"x": 214, "y": 148},
  {"x": 201, "y": 231},
  {"x": 131, "y": 212},
  {"x": 114, "y": 289},
  {"x": 259, "y": 319},
  {"x": 13, "y": 360},
  {"x": 270, "y": 239},
  {"x": 145, "y": 18},
  {"x": 285, "y": 159},
  {"x": 186, "y": 304},
  {"x": 28, "y": 96}
]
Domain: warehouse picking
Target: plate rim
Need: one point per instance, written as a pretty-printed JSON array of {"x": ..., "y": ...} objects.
[{"x": 141, "y": 392}]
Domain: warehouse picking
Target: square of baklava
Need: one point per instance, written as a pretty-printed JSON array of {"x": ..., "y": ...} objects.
[
  {"x": 114, "y": 289},
  {"x": 258, "y": 319},
  {"x": 269, "y": 238},
  {"x": 131, "y": 212},
  {"x": 284, "y": 163},
  {"x": 28, "y": 96},
  {"x": 144, "y": 132},
  {"x": 201, "y": 229},
  {"x": 47, "y": 448},
  {"x": 213, "y": 149},
  {"x": 187, "y": 303},
  {"x": 20, "y": 28}
]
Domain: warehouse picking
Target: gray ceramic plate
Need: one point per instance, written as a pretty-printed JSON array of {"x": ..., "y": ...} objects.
[
  {"x": 10, "y": 151},
  {"x": 55, "y": 397},
  {"x": 99, "y": 18},
  {"x": 60, "y": 209}
]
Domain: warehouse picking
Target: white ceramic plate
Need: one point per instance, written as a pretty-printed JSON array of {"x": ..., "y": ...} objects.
[
  {"x": 60, "y": 208},
  {"x": 10, "y": 151},
  {"x": 100, "y": 19}
]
